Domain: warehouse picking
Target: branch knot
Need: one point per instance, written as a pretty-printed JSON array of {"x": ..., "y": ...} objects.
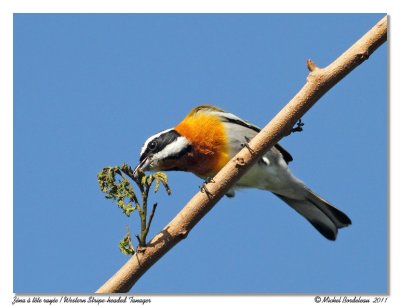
[{"x": 311, "y": 66}]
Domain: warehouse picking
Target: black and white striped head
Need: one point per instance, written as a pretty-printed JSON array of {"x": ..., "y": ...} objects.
[{"x": 162, "y": 150}]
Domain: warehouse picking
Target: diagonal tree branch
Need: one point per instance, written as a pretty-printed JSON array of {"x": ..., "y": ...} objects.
[{"x": 319, "y": 81}]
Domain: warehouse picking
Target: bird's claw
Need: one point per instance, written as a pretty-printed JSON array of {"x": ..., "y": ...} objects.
[
  {"x": 298, "y": 127},
  {"x": 246, "y": 144},
  {"x": 203, "y": 187}
]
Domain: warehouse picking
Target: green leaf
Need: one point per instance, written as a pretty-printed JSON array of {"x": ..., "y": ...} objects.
[
  {"x": 125, "y": 244},
  {"x": 162, "y": 177}
]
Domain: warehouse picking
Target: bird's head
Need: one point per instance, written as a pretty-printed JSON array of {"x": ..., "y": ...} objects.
[
  {"x": 163, "y": 151},
  {"x": 198, "y": 144}
]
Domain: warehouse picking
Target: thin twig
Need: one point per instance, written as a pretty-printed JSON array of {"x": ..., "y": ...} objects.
[{"x": 150, "y": 219}]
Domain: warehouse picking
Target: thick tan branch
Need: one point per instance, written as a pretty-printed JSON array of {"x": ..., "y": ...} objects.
[{"x": 319, "y": 81}]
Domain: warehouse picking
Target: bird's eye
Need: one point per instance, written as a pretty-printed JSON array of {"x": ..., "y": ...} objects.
[{"x": 152, "y": 145}]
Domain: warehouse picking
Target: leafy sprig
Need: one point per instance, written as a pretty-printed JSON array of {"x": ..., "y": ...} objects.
[{"x": 116, "y": 183}]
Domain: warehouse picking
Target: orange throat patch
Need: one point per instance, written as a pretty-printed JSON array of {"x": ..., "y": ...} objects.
[{"x": 208, "y": 138}]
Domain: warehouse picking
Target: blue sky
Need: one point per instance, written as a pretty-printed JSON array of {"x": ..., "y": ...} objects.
[{"x": 88, "y": 91}]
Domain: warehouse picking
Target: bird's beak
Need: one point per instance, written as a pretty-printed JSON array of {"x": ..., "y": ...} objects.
[{"x": 142, "y": 166}]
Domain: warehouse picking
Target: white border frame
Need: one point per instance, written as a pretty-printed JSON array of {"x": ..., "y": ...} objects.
[{"x": 9, "y": 7}]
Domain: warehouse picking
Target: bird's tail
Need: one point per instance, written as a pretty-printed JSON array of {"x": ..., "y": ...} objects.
[{"x": 326, "y": 218}]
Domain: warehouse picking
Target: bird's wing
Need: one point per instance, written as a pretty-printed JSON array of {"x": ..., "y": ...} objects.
[{"x": 241, "y": 131}]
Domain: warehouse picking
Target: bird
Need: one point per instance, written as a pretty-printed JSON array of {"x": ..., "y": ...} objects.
[{"x": 208, "y": 137}]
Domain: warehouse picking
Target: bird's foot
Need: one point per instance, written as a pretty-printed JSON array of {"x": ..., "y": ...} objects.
[
  {"x": 203, "y": 187},
  {"x": 246, "y": 144},
  {"x": 298, "y": 127}
]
